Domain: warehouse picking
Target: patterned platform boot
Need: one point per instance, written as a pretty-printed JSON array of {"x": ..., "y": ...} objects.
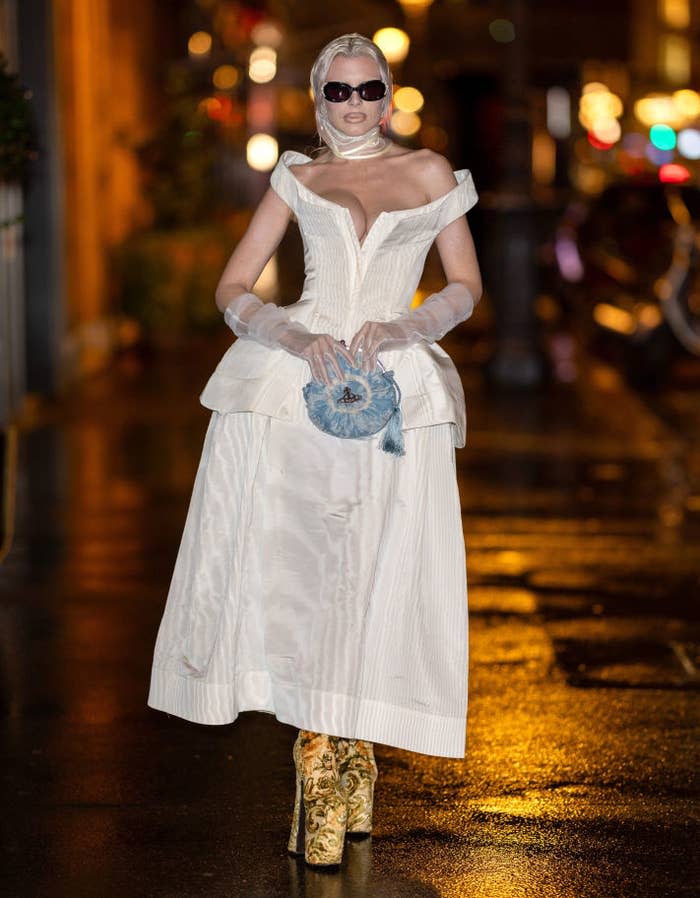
[
  {"x": 320, "y": 811},
  {"x": 358, "y": 774}
]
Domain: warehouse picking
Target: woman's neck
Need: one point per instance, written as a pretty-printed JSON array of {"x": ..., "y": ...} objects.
[{"x": 353, "y": 146}]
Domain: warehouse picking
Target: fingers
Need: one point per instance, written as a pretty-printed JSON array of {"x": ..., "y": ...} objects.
[
  {"x": 347, "y": 354},
  {"x": 320, "y": 362},
  {"x": 335, "y": 366},
  {"x": 362, "y": 341},
  {"x": 362, "y": 344},
  {"x": 323, "y": 354},
  {"x": 317, "y": 363},
  {"x": 371, "y": 361}
]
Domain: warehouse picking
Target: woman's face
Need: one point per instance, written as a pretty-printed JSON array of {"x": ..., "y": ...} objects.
[{"x": 355, "y": 116}]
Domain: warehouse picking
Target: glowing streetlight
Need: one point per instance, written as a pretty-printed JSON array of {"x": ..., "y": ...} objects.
[
  {"x": 267, "y": 33},
  {"x": 598, "y": 104},
  {"x": 687, "y": 102},
  {"x": 657, "y": 108},
  {"x": 405, "y": 124},
  {"x": 393, "y": 42},
  {"x": 415, "y": 8},
  {"x": 607, "y": 130},
  {"x": 673, "y": 173},
  {"x": 199, "y": 43},
  {"x": 262, "y": 152},
  {"x": 262, "y": 66},
  {"x": 689, "y": 143},
  {"x": 408, "y": 99},
  {"x": 663, "y": 137},
  {"x": 225, "y": 77}
]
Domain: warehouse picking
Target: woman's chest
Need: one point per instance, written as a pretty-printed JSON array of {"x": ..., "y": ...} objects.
[{"x": 366, "y": 198}]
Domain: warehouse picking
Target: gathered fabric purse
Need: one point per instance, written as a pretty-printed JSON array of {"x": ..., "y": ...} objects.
[{"x": 358, "y": 406}]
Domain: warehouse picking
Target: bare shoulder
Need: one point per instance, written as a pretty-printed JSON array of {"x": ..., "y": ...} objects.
[
  {"x": 433, "y": 171},
  {"x": 306, "y": 171}
]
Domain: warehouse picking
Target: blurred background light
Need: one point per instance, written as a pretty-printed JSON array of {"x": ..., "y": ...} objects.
[
  {"x": 597, "y": 142},
  {"x": 502, "y": 30},
  {"x": 673, "y": 173},
  {"x": 434, "y": 138},
  {"x": 657, "y": 156},
  {"x": 260, "y": 109},
  {"x": 674, "y": 58},
  {"x": 687, "y": 102},
  {"x": 408, "y": 99},
  {"x": 588, "y": 178},
  {"x": 593, "y": 87},
  {"x": 262, "y": 152},
  {"x": 267, "y": 285},
  {"x": 405, "y": 124},
  {"x": 393, "y": 42},
  {"x": 598, "y": 105},
  {"x": 199, "y": 43},
  {"x": 225, "y": 77},
  {"x": 634, "y": 144},
  {"x": 262, "y": 66},
  {"x": 558, "y": 112},
  {"x": 267, "y": 33},
  {"x": 614, "y": 319},
  {"x": 689, "y": 143},
  {"x": 218, "y": 108},
  {"x": 415, "y": 7},
  {"x": 658, "y": 108},
  {"x": 544, "y": 157},
  {"x": 675, "y": 13},
  {"x": 607, "y": 130},
  {"x": 662, "y": 137}
]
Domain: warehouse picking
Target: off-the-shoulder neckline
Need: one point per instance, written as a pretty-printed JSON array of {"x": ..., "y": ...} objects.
[{"x": 463, "y": 176}]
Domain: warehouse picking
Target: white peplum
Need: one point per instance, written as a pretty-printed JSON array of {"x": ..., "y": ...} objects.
[{"x": 320, "y": 579}]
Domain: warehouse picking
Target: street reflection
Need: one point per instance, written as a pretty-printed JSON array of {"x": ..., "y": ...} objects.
[{"x": 355, "y": 879}]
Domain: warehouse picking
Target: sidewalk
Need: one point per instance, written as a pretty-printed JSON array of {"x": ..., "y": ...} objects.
[{"x": 582, "y": 525}]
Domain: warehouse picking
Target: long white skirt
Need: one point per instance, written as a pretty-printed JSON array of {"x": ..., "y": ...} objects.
[{"x": 321, "y": 580}]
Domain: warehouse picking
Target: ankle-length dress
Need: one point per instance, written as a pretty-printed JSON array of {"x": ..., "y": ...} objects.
[{"x": 322, "y": 579}]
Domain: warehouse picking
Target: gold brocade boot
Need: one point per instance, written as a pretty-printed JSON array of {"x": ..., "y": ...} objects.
[
  {"x": 320, "y": 812},
  {"x": 358, "y": 774}
]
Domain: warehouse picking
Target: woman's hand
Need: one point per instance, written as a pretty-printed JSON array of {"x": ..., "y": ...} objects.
[
  {"x": 267, "y": 323},
  {"x": 374, "y": 336},
  {"x": 319, "y": 350},
  {"x": 430, "y": 321}
]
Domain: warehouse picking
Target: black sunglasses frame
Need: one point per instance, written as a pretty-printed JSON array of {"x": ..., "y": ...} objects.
[{"x": 360, "y": 89}]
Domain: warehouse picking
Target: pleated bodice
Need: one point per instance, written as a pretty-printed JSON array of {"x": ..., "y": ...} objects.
[{"x": 348, "y": 282}]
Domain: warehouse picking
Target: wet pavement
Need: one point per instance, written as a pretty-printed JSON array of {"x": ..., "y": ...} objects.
[{"x": 581, "y": 514}]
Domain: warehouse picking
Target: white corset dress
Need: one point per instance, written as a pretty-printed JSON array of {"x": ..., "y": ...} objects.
[{"x": 320, "y": 579}]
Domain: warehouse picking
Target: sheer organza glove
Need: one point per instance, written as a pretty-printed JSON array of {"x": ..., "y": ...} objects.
[
  {"x": 437, "y": 315},
  {"x": 269, "y": 324}
]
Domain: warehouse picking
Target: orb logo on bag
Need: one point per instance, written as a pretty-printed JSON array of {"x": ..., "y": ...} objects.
[{"x": 358, "y": 406}]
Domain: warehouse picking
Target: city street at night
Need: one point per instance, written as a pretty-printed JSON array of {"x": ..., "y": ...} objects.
[
  {"x": 350, "y": 449},
  {"x": 581, "y": 510}
]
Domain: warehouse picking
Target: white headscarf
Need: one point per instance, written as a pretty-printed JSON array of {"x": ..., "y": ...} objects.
[{"x": 350, "y": 146}]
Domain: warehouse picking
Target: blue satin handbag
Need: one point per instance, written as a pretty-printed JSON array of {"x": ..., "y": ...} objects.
[{"x": 358, "y": 406}]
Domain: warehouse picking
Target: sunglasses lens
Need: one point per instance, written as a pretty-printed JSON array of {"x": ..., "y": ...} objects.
[
  {"x": 373, "y": 90},
  {"x": 336, "y": 91}
]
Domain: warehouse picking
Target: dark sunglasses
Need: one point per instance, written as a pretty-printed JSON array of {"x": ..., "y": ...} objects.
[{"x": 339, "y": 91}]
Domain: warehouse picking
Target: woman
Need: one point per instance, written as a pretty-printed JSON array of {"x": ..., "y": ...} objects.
[{"x": 319, "y": 579}]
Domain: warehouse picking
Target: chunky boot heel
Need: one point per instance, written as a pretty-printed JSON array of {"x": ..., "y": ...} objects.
[
  {"x": 320, "y": 812},
  {"x": 358, "y": 774}
]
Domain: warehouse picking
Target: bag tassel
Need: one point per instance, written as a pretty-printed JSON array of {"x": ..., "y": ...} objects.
[{"x": 392, "y": 438}]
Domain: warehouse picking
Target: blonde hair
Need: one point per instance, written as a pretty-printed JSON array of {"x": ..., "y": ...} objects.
[{"x": 353, "y": 44}]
